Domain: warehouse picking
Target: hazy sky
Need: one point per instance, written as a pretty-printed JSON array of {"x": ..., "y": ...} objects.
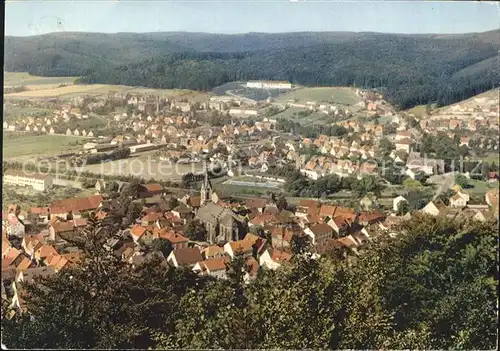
[{"x": 28, "y": 17}]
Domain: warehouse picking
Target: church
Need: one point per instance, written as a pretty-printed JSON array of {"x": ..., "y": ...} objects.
[{"x": 221, "y": 223}]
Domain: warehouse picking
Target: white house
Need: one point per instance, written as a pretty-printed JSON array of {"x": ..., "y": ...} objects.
[
  {"x": 433, "y": 208},
  {"x": 459, "y": 200},
  {"x": 215, "y": 267},
  {"x": 396, "y": 202},
  {"x": 268, "y": 84},
  {"x": 274, "y": 260}
]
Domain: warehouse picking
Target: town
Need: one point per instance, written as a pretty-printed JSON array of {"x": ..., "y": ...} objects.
[{"x": 285, "y": 179}]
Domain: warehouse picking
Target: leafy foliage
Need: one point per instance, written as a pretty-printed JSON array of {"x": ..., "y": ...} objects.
[
  {"x": 412, "y": 70},
  {"x": 432, "y": 287}
]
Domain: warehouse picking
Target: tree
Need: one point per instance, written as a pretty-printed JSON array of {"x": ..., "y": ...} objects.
[
  {"x": 195, "y": 230},
  {"x": 445, "y": 196},
  {"x": 403, "y": 208},
  {"x": 367, "y": 184},
  {"x": 162, "y": 245},
  {"x": 461, "y": 180},
  {"x": 386, "y": 146},
  {"x": 133, "y": 212},
  {"x": 281, "y": 202}
]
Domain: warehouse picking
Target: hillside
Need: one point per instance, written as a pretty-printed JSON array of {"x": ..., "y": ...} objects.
[{"x": 411, "y": 69}]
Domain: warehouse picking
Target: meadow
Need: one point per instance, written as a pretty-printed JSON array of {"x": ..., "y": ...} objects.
[
  {"x": 144, "y": 165},
  {"x": 26, "y": 79},
  {"x": 338, "y": 95},
  {"x": 20, "y": 145}
]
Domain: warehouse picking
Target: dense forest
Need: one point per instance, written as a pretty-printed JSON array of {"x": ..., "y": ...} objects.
[
  {"x": 409, "y": 69},
  {"x": 432, "y": 287}
]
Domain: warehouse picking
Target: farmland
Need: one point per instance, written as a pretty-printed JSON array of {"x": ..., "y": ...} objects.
[
  {"x": 26, "y": 79},
  {"x": 18, "y": 145}
]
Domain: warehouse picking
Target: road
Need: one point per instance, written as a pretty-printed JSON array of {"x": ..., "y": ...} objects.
[
  {"x": 250, "y": 101},
  {"x": 443, "y": 182}
]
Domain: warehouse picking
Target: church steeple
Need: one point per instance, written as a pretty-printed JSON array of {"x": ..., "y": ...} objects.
[{"x": 206, "y": 188}]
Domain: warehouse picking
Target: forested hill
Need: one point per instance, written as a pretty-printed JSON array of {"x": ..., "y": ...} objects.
[{"x": 411, "y": 69}]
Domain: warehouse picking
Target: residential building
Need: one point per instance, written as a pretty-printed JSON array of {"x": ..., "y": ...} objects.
[{"x": 37, "y": 181}]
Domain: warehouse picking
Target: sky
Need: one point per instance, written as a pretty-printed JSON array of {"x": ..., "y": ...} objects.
[{"x": 30, "y": 17}]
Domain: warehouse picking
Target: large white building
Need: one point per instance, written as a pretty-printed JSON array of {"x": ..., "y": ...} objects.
[
  {"x": 269, "y": 84},
  {"x": 37, "y": 181}
]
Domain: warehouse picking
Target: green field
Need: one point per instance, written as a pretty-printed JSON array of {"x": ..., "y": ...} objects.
[
  {"x": 420, "y": 110},
  {"x": 490, "y": 158},
  {"x": 24, "y": 78},
  {"x": 339, "y": 95},
  {"x": 12, "y": 112},
  {"x": 480, "y": 187},
  {"x": 48, "y": 87},
  {"x": 18, "y": 145},
  {"x": 144, "y": 165}
]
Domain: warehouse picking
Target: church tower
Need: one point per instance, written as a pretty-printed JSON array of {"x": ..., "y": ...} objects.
[{"x": 206, "y": 188}]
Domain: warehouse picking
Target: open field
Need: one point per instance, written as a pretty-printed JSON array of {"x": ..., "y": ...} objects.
[
  {"x": 57, "y": 92},
  {"x": 49, "y": 87},
  {"x": 18, "y": 146},
  {"x": 144, "y": 165},
  {"x": 339, "y": 95},
  {"x": 479, "y": 187},
  {"x": 13, "y": 112},
  {"x": 27, "y": 197},
  {"x": 26, "y": 79},
  {"x": 72, "y": 91},
  {"x": 490, "y": 158},
  {"x": 419, "y": 111}
]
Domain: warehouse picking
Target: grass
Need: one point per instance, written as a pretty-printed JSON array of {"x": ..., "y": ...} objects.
[
  {"x": 490, "y": 158},
  {"x": 339, "y": 95},
  {"x": 24, "y": 78},
  {"x": 13, "y": 112},
  {"x": 18, "y": 145},
  {"x": 27, "y": 197},
  {"x": 420, "y": 110},
  {"x": 480, "y": 187},
  {"x": 145, "y": 165},
  {"x": 57, "y": 92}
]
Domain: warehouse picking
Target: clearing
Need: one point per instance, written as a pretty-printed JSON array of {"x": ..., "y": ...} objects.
[
  {"x": 145, "y": 165},
  {"x": 50, "y": 87},
  {"x": 20, "y": 145},
  {"x": 338, "y": 95},
  {"x": 26, "y": 79}
]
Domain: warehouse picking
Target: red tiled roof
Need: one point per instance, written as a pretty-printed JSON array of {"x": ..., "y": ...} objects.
[
  {"x": 285, "y": 233},
  {"x": 256, "y": 203},
  {"x": 76, "y": 205},
  {"x": 61, "y": 227},
  {"x": 187, "y": 256},
  {"x": 152, "y": 217},
  {"x": 45, "y": 251},
  {"x": 280, "y": 256},
  {"x": 264, "y": 218},
  {"x": 137, "y": 230},
  {"x": 243, "y": 246},
  {"x": 371, "y": 217},
  {"x": 151, "y": 187},
  {"x": 215, "y": 264},
  {"x": 321, "y": 228}
]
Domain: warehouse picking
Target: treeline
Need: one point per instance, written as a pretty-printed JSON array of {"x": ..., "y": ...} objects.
[
  {"x": 410, "y": 70},
  {"x": 118, "y": 154},
  {"x": 189, "y": 178},
  {"x": 435, "y": 287},
  {"x": 406, "y": 77},
  {"x": 309, "y": 130}
]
